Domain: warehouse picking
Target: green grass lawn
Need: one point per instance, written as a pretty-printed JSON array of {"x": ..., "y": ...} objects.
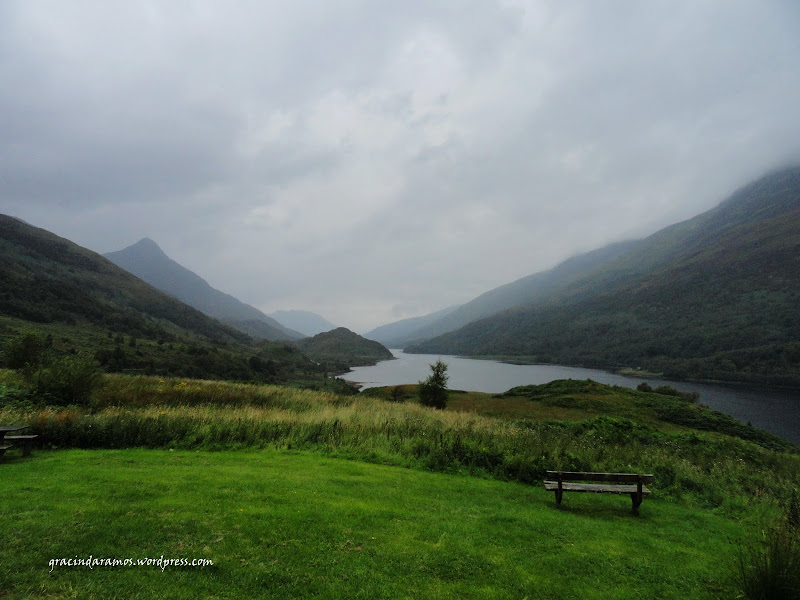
[{"x": 281, "y": 524}]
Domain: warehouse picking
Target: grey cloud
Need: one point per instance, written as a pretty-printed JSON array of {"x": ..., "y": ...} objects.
[{"x": 362, "y": 159}]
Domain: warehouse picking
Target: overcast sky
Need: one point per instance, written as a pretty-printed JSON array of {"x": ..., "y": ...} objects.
[{"x": 376, "y": 160}]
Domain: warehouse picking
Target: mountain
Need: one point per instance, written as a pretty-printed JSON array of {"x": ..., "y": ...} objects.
[
  {"x": 406, "y": 331},
  {"x": 716, "y": 296},
  {"x": 307, "y": 323},
  {"x": 526, "y": 290},
  {"x": 49, "y": 279},
  {"x": 341, "y": 348},
  {"x": 84, "y": 303},
  {"x": 148, "y": 262}
]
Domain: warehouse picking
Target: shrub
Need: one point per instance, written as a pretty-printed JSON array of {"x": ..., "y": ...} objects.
[
  {"x": 397, "y": 394},
  {"x": 666, "y": 390},
  {"x": 67, "y": 380},
  {"x": 24, "y": 352}
]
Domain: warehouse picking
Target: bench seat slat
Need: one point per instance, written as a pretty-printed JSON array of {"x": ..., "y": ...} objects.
[
  {"x": 26, "y": 441},
  {"x": 552, "y": 486},
  {"x": 620, "y": 477}
]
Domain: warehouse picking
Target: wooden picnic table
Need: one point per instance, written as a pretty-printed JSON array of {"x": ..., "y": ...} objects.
[{"x": 4, "y": 429}]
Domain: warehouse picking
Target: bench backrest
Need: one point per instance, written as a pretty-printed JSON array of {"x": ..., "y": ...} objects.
[{"x": 615, "y": 477}]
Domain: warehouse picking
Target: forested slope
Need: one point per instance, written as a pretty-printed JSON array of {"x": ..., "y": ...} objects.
[{"x": 717, "y": 296}]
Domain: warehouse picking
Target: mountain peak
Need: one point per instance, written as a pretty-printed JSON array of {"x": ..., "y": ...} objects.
[
  {"x": 145, "y": 245},
  {"x": 149, "y": 262}
]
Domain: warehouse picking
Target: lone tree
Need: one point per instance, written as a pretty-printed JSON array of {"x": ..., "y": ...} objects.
[{"x": 433, "y": 391}]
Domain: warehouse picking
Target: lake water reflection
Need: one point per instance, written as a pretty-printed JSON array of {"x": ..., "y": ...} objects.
[{"x": 775, "y": 411}]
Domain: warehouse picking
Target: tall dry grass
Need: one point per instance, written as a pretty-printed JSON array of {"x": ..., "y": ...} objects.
[{"x": 192, "y": 414}]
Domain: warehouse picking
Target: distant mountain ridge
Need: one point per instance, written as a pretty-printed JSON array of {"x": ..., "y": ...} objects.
[
  {"x": 406, "y": 331},
  {"x": 527, "y": 290},
  {"x": 147, "y": 260},
  {"x": 86, "y": 305},
  {"x": 716, "y": 296},
  {"x": 304, "y": 321}
]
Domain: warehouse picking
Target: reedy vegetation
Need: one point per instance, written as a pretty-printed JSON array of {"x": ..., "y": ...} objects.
[{"x": 713, "y": 469}]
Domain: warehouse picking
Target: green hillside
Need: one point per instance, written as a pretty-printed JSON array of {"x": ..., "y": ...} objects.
[
  {"x": 341, "y": 348},
  {"x": 714, "y": 297},
  {"x": 84, "y": 304},
  {"x": 533, "y": 288},
  {"x": 49, "y": 279}
]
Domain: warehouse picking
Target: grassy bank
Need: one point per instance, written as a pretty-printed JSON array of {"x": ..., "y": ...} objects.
[
  {"x": 693, "y": 452},
  {"x": 129, "y": 474},
  {"x": 295, "y": 525}
]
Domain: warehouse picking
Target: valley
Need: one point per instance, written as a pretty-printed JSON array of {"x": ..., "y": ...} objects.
[
  {"x": 495, "y": 300},
  {"x": 714, "y": 298},
  {"x": 108, "y": 369}
]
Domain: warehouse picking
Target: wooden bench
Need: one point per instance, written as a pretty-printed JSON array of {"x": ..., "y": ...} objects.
[
  {"x": 27, "y": 442},
  {"x": 3, "y": 449},
  {"x": 604, "y": 483}
]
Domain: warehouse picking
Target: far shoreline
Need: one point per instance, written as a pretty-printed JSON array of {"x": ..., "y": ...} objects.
[{"x": 627, "y": 372}]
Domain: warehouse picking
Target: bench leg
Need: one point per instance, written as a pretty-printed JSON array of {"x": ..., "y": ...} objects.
[
  {"x": 558, "y": 494},
  {"x": 637, "y": 501},
  {"x": 26, "y": 450}
]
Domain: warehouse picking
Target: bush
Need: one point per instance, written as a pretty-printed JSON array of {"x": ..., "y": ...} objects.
[
  {"x": 67, "y": 380},
  {"x": 666, "y": 390},
  {"x": 24, "y": 352},
  {"x": 61, "y": 381},
  {"x": 396, "y": 394}
]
